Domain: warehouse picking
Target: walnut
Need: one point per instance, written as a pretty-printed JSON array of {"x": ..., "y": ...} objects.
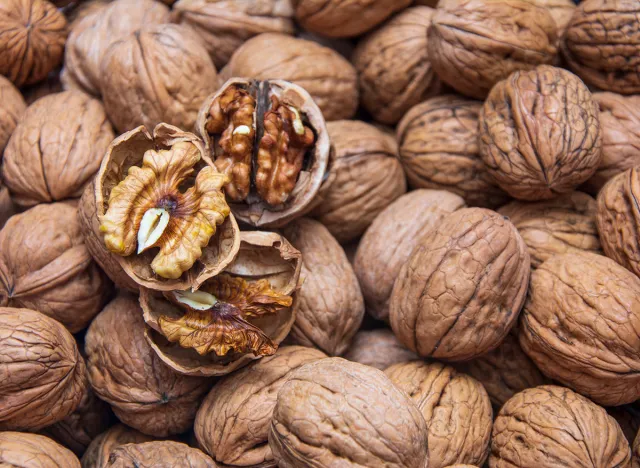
[
  {"x": 334, "y": 412},
  {"x": 13, "y": 107},
  {"x": 126, "y": 373},
  {"x": 159, "y": 73},
  {"x": 553, "y": 426},
  {"x": 328, "y": 77},
  {"x": 33, "y": 33},
  {"x": 42, "y": 375},
  {"x": 232, "y": 423},
  {"x": 270, "y": 139},
  {"x": 540, "y": 133},
  {"x": 18, "y": 449},
  {"x": 560, "y": 10},
  {"x": 473, "y": 44},
  {"x": 97, "y": 454},
  {"x": 235, "y": 317},
  {"x": 56, "y": 148},
  {"x": 378, "y": 348},
  {"x": 635, "y": 460},
  {"x": 158, "y": 453},
  {"x": 438, "y": 145},
  {"x": 455, "y": 406},
  {"x": 365, "y": 176},
  {"x": 579, "y": 326},
  {"x": 7, "y": 208}
]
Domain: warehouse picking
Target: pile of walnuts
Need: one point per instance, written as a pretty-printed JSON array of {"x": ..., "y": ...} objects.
[{"x": 320, "y": 233}]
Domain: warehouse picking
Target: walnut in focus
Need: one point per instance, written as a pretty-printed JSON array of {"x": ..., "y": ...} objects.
[
  {"x": 13, "y": 107},
  {"x": 97, "y": 454},
  {"x": 158, "y": 453},
  {"x": 378, "y": 348},
  {"x": 19, "y": 449},
  {"x": 560, "y": 10},
  {"x": 540, "y": 133}
]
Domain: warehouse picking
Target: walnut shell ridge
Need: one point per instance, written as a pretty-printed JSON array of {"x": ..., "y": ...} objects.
[
  {"x": 13, "y": 107},
  {"x": 378, "y": 348},
  {"x": 19, "y": 449}
]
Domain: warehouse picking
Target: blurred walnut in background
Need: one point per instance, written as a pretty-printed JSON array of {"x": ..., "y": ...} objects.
[
  {"x": 12, "y": 108},
  {"x": 378, "y": 348}
]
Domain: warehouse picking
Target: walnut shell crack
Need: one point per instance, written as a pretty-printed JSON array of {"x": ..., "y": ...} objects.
[
  {"x": 158, "y": 453},
  {"x": 378, "y": 348},
  {"x": 22, "y": 450},
  {"x": 13, "y": 107}
]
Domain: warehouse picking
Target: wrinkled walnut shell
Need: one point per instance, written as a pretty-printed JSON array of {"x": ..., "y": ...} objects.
[
  {"x": 13, "y": 106},
  {"x": 19, "y": 449},
  {"x": 158, "y": 453},
  {"x": 98, "y": 452},
  {"x": 378, "y": 348}
]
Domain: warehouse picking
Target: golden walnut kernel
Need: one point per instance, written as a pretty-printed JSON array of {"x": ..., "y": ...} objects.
[
  {"x": 158, "y": 453},
  {"x": 378, "y": 348},
  {"x": 13, "y": 106},
  {"x": 540, "y": 133},
  {"x": 19, "y": 449},
  {"x": 97, "y": 454}
]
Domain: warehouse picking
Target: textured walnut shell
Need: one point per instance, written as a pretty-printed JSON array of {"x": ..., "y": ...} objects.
[
  {"x": 473, "y": 44},
  {"x": 13, "y": 106},
  {"x": 42, "y": 375},
  {"x": 97, "y": 454},
  {"x": 560, "y": 10},
  {"x": 438, "y": 146},
  {"x": 328, "y": 77},
  {"x": 553, "y": 426},
  {"x": 455, "y": 406},
  {"x": 56, "y": 148},
  {"x": 579, "y": 326},
  {"x": 126, "y": 373},
  {"x": 45, "y": 266},
  {"x": 331, "y": 306},
  {"x": 261, "y": 255},
  {"x": 400, "y": 225},
  {"x": 158, "y": 453},
  {"x": 232, "y": 423},
  {"x": 378, "y": 348},
  {"x": 22, "y": 450},
  {"x": 160, "y": 73},
  {"x": 334, "y": 412},
  {"x": 364, "y": 177},
  {"x": 540, "y": 133},
  {"x": 33, "y": 33}
]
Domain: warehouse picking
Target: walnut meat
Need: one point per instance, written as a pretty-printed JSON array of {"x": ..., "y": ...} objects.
[
  {"x": 540, "y": 133},
  {"x": 455, "y": 406},
  {"x": 473, "y": 44},
  {"x": 97, "y": 454},
  {"x": 13, "y": 106},
  {"x": 19, "y": 449},
  {"x": 42, "y": 375},
  {"x": 553, "y": 426},
  {"x": 438, "y": 146},
  {"x": 378, "y": 348},
  {"x": 158, "y": 453},
  {"x": 56, "y": 148},
  {"x": 579, "y": 326},
  {"x": 334, "y": 412},
  {"x": 126, "y": 373}
]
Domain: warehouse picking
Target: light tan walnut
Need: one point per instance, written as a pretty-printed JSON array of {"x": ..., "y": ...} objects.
[
  {"x": 13, "y": 106},
  {"x": 19, "y": 449}
]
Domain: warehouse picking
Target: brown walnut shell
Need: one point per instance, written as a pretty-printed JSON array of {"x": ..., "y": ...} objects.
[
  {"x": 462, "y": 289},
  {"x": 635, "y": 460},
  {"x": 333, "y": 412},
  {"x": 45, "y": 266},
  {"x": 97, "y": 454},
  {"x": 232, "y": 423},
  {"x": 579, "y": 326},
  {"x": 13, "y": 107},
  {"x": 158, "y": 454},
  {"x": 473, "y": 44},
  {"x": 42, "y": 375},
  {"x": 560, "y": 10},
  {"x": 455, "y": 406},
  {"x": 540, "y": 133},
  {"x": 378, "y": 348},
  {"x": 126, "y": 373},
  {"x": 7, "y": 208},
  {"x": 365, "y": 176},
  {"x": 438, "y": 146},
  {"x": 552, "y": 426},
  {"x": 56, "y": 149},
  {"x": 22, "y": 450}
]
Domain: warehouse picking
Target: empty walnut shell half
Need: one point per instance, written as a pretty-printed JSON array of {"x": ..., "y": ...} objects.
[
  {"x": 161, "y": 453},
  {"x": 235, "y": 317},
  {"x": 378, "y": 348},
  {"x": 19, "y": 449},
  {"x": 13, "y": 106},
  {"x": 270, "y": 139},
  {"x": 97, "y": 454}
]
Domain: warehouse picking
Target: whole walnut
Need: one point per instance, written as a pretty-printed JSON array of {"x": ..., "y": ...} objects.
[
  {"x": 602, "y": 43},
  {"x": 42, "y": 375},
  {"x": 560, "y": 10},
  {"x": 224, "y": 25},
  {"x": 20, "y": 449},
  {"x": 33, "y": 33},
  {"x": 232, "y": 423},
  {"x": 473, "y": 44},
  {"x": 126, "y": 373},
  {"x": 158, "y": 454},
  {"x": 334, "y": 412},
  {"x": 551, "y": 426},
  {"x": 331, "y": 306},
  {"x": 438, "y": 146},
  {"x": 579, "y": 326},
  {"x": 13, "y": 107},
  {"x": 378, "y": 348},
  {"x": 561, "y": 225},
  {"x": 160, "y": 73},
  {"x": 393, "y": 65},
  {"x": 328, "y": 77},
  {"x": 540, "y": 133},
  {"x": 56, "y": 149},
  {"x": 455, "y": 406},
  {"x": 462, "y": 289},
  {"x": 97, "y": 454},
  {"x": 401, "y": 224},
  {"x": 365, "y": 176}
]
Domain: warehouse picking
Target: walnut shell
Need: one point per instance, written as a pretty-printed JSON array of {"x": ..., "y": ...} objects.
[
  {"x": 334, "y": 412},
  {"x": 7, "y": 208},
  {"x": 97, "y": 454},
  {"x": 13, "y": 107},
  {"x": 635, "y": 461},
  {"x": 42, "y": 375},
  {"x": 365, "y": 176},
  {"x": 560, "y": 10},
  {"x": 378, "y": 348},
  {"x": 56, "y": 148},
  {"x": 455, "y": 406},
  {"x": 540, "y": 133},
  {"x": 400, "y": 225},
  {"x": 18, "y": 449},
  {"x": 438, "y": 145},
  {"x": 232, "y": 423},
  {"x": 579, "y": 326},
  {"x": 473, "y": 44},
  {"x": 126, "y": 373},
  {"x": 553, "y": 426},
  {"x": 158, "y": 453}
]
